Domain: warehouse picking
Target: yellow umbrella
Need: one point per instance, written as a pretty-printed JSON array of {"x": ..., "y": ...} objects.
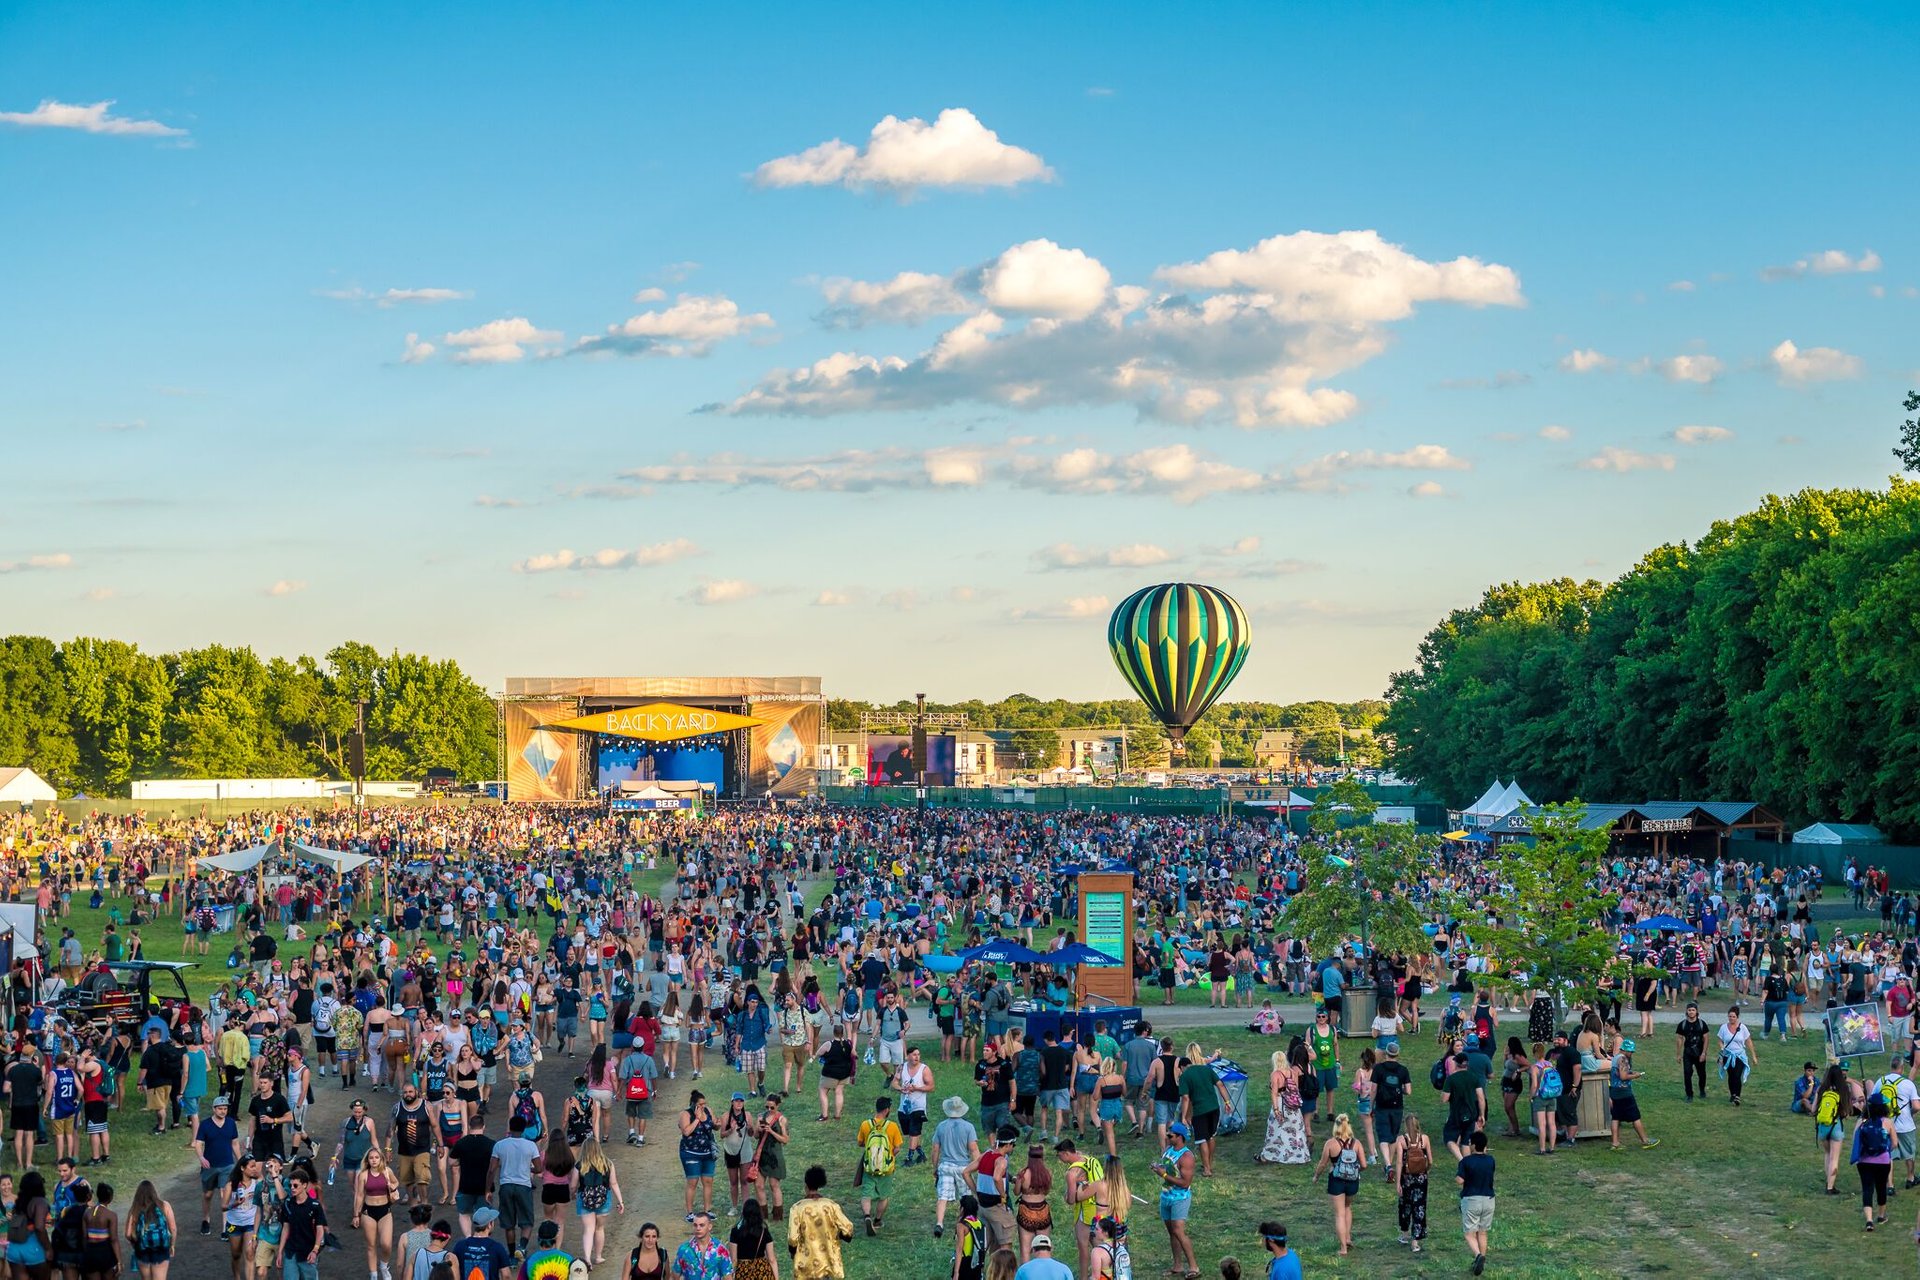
[{"x": 1454, "y": 835}]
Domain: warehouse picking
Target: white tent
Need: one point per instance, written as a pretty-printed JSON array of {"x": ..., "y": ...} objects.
[
  {"x": 24, "y": 786},
  {"x": 1515, "y": 798},
  {"x": 339, "y": 859},
  {"x": 1498, "y": 801},
  {"x": 1839, "y": 833},
  {"x": 239, "y": 860}
]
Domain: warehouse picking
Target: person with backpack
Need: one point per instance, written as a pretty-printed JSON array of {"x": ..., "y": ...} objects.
[
  {"x": 1903, "y": 1100},
  {"x": 1546, "y": 1088},
  {"x": 1343, "y": 1160},
  {"x": 1873, "y": 1159},
  {"x": 151, "y": 1232},
  {"x": 1109, "y": 1258},
  {"x": 638, "y": 1071},
  {"x": 1832, "y": 1104},
  {"x": 1410, "y": 1160},
  {"x": 241, "y": 1213},
  {"x": 879, "y": 1140}
]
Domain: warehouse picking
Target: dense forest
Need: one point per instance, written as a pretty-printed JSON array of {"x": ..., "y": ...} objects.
[
  {"x": 92, "y": 715},
  {"x": 1234, "y": 727},
  {"x": 1775, "y": 660}
]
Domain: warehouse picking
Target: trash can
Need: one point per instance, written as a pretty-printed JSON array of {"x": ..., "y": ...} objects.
[{"x": 1356, "y": 1012}]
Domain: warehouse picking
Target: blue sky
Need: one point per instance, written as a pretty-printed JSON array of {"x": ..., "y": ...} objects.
[{"x": 1281, "y": 298}]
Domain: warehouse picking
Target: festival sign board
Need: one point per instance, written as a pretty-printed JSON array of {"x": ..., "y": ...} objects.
[
  {"x": 1106, "y": 924},
  {"x": 1855, "y": 1031},
  {"x": 658, "y": 722}
]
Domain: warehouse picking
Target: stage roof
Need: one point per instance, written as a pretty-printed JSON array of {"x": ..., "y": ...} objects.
[{"x": 641, "y": 688}]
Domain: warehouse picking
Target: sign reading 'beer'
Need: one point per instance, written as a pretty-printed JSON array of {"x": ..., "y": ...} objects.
[{"x": 658, "y": 722}]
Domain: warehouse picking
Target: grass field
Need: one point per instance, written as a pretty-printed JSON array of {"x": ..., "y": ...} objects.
[{"x": 1728, "y": 1192}]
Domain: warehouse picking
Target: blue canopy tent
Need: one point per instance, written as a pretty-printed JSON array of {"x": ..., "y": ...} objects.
[
  {"x": 1081, "y": 953},
  {"x": 942, "y": 964},
  {"x": 1670, "y": 924},
  {"x": 1000, "y": 951}
]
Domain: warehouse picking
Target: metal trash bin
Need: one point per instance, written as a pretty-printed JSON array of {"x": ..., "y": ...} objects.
[
  {"x": 1357, "y": 1005},
  {"x": 1233, "y": 1117}
]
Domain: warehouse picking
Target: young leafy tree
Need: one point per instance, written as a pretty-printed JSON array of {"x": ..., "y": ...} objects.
[
  {"x": 1548, "y": 908},
  {"x": 1908, "y": 450},
  {"x": 1357, "y": 887},
  {"x": 1324, "y": 818}
]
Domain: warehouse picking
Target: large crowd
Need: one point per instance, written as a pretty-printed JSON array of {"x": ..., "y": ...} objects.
[{"x": 481, "y": 941}]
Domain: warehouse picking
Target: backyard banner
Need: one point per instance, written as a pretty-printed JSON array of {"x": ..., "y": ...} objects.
[
  {"x": 658, "y": 722},
  {"x": 542, "y": 763}
]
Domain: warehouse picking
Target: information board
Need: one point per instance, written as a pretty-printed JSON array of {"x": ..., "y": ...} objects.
[{"x": 1107, "y": 924}]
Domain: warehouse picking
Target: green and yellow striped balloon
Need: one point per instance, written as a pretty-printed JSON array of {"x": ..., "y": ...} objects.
[{"x": 1179, "y": 645}]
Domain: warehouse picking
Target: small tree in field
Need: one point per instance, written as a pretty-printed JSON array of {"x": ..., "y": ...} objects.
[
  {"x": 1549, "y": 913},
  {"x": 1324, "y": 818},
  {"x": 1356, "y": 887}
]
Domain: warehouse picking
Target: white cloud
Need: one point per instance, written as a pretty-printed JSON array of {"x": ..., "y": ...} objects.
[
  {"x": 1072, "y": 609},
  {"x": 902, "y": 599},
  {"x": 1428, "y": 489},
  {"x": 1694, "y": 434},
  {"x": 132, "y": 424},
  {"x": 417, "y": 352},
  {"x": 1273, "y": 569},
  {"x": 1242, "y": 547},
  {"x": 1614, "y": 458},
  {"x": 396, "y": 297},
  {"x": 488, "y": 500},
  {"x": 1176, "y": 471},
  {"x": 1554, "y": 431},
  {"x": 1041, "y": 278},
  {"x": 499, "y": 342},
  {"x": 1347, "y": 276},
  {"x": 91, "y": 118},
  {"x": 286, "y": 587},
  {"x": 650, "y": 295},
  {"x": 1052, "y": 330},
  {"x": 956, "y": 150},
  {"x": 909, "y": 298},
  {"x": 33, "y": 564},
  {"x": 1065, "y": 555},
  {"x": 1682, "y": 286},
  {"x": 833, "y": 599},
  {"x": 1815, "y": 364},
  {"x": 611, "y": 557},
  {"x": 690, "y": 327},
  {"x": 1700, "y": 369},
  {"x": 1585, "y": 360},
  {"x": 100, "y": 594},
  {"x": 1828, "y": 262},
  {"x": 722, "y": 591}
]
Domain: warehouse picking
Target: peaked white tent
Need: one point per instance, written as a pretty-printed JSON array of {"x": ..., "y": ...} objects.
[
  {"x": 24, "y": 786},
  {"x": 240, "y": 860},
  {"x": 1497, "y": 802}
]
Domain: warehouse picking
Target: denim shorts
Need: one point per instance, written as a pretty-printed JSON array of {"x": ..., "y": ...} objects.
[
  {"x": 1829, "y": 1132},
  {"x": 696, "y": 1166}
]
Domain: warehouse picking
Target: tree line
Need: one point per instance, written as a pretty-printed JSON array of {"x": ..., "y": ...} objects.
[
  {"x": 93, "y": 715},
  {"x": 1233, "y": 728},
  {"x": 1775, "y": 660}
]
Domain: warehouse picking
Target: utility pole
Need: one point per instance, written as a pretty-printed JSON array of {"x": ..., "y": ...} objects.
[{"x": 357, "y": 754}]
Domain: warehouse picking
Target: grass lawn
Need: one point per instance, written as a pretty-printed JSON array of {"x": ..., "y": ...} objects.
[{"x": 1728, "y": 1192}]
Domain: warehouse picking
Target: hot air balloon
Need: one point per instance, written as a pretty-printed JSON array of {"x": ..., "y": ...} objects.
[{"x": 1179, "y": 645}]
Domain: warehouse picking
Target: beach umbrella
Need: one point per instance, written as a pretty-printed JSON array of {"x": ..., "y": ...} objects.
[
  {"x": 1000, "y": 951},
  {"x": 1672, "y": 924}
]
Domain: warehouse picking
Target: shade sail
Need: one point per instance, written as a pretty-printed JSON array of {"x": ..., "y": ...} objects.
[
  {"x": 340, "y": 860},
  {"x": 239, "y": 860}
]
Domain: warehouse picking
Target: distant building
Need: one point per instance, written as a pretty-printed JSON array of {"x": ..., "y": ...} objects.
[{"x": 1278, "y": 749}]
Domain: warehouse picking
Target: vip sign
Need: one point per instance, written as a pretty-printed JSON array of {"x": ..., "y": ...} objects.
[{"x": 659, "y": 722}]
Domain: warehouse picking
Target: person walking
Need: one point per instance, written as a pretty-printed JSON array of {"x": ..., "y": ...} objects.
[
  {"x": 956, "y": 1147},
  {"x": 1903, "y": 1100},
  {"x": 1176, "y": 1172},
  {"x": 1282, "y": 1262},
  {"x": 1832, "y": 1104},
  {"x": 1873, "y": 1159},
  {"x": 1690, "y": 1047},
  {"x": 1343, "y": 1159},
  {"x": 151, "y": 1232},
  {"x": 1623, "y": 1106},
  {"x": 1286, "y": 1141},
  {"x": 1474, "y": 1176},
  {"x": 1737, "y": 1059},
  {"x": 698, "y": 1151},
  {"x": 816, "y": 1228},
  {"x": 879, "y": 1142},
  {"x": 1411, "y": 1160}
]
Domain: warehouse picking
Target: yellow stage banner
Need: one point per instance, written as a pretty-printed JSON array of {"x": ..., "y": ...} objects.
[{"x": 659, "y": 722}]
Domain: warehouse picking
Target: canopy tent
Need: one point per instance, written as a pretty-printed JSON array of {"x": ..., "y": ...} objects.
[
  {"x": 240, "y": 860},
  {"x": 1000, "y": 951},
  {"x": 24, "y": 786},
  {"x": 1840, "y": 833},
  {"x": 339, "y": 860},
  {"x": 1668, "y": 924},
  {"x": 1081, "y": 953},
  {"x": 937, "y": 963},
  {"x": 1496, "y": 803}
]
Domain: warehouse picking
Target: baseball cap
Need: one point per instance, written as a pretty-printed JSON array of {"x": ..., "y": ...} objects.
[
  {"x": 1043, "y": 1241},
  {"x": 739, "y": 1096},
  {"x": 1181, "y": 1129},
  {"x": 222, "y": 1101},
  {"x": 549, "y": 1231},
  {"x": 485, "y": 1215}
]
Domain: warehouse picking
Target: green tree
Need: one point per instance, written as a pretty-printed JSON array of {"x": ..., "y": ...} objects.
[
  {"x": 1908, "y": 450},
  {"x": 1036, "y": 748},
  {"x": 119, "y": 699},
  {"x": 1357, "y": 887},
  {"x": 35, "y": 713},
  {"x": 1548, "y": 913},
  {"x": 1345, "y": 796}
]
